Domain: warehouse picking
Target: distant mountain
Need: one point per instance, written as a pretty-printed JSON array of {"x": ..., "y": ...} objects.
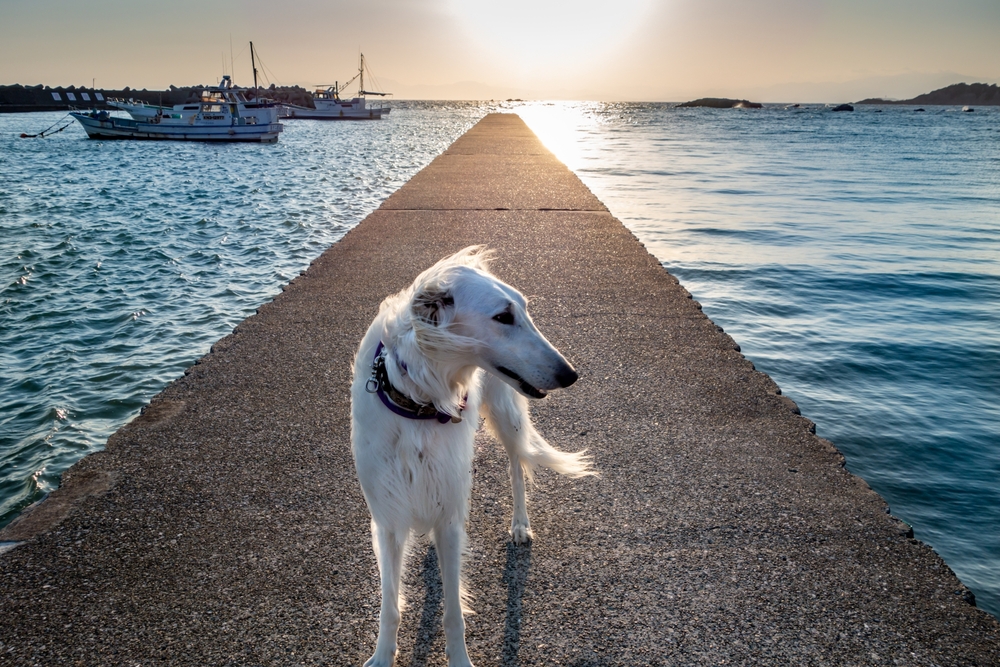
[{"x": 979, "y": 94}]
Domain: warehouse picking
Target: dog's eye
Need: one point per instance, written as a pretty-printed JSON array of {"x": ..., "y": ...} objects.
[{"x": 506, "y": 317}]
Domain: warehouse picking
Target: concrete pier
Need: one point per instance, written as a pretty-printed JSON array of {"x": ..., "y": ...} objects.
[{"x": 225, "y": 526}]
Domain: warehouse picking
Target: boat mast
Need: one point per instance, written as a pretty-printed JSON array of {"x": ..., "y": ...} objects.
[
  {"x": 253, "y": 64},
  {"x": 361, "y": 73}
]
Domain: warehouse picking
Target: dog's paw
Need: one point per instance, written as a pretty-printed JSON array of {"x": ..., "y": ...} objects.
[
  {"x": 520, "y": 533},
  {"x": 461, "y": 660},
  {"x": 378, "y": 660}
]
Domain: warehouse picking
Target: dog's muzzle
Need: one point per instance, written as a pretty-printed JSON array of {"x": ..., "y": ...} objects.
[{"x": 565, "y": 377}]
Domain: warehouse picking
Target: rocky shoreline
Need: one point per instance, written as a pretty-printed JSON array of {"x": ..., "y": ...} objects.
[
  {"x": 17, "y": 98},
  {"x": 959, "y": 94}
]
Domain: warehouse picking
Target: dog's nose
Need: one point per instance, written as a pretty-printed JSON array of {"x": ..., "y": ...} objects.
[{"x": 567, "y": 376}]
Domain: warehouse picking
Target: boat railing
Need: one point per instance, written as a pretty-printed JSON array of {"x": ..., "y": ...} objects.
[{"x": 130, "y": 101}]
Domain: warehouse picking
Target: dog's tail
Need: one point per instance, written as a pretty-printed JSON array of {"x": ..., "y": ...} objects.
[{"x": 509, "y": 420}]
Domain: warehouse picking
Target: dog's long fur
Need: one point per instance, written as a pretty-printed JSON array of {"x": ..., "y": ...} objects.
[{"x": 456, "y": 335}]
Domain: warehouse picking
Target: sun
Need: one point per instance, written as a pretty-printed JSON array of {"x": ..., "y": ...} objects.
[{"x": 550, "y": 33}]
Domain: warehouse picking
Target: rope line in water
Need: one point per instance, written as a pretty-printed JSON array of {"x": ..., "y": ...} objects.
[{"x": 44, "y": 133}]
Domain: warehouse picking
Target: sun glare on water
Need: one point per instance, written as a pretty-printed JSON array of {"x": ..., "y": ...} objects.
[
  {"x": 560, "y": 126},
  {"x": 550, "y": 32}
]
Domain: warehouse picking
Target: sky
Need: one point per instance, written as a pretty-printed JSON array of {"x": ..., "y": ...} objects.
[{"x": 632, "y": 50}]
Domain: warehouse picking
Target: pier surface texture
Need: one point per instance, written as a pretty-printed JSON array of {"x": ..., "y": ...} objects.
[{"x": 225, "y": 525}]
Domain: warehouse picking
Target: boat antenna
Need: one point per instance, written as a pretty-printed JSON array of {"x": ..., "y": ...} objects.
[
  {"x": 232, "y": 63},
  {"x": 253, "y": 64}
]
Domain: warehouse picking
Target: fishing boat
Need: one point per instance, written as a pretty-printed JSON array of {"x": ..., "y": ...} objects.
[
  {"x": 222, "y": 114},
  {"x": 140, "y": 110},
  {"x": 330, "y": 106}
]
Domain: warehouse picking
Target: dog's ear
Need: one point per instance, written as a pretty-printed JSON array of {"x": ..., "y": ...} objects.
[{"x": 429, "y": 304}]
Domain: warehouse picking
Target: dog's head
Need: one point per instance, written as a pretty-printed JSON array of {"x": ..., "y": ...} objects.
[{"x": 461, "y": 312}]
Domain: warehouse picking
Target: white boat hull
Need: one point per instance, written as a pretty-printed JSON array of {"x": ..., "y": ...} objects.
[
  {"x": 305, "y": 113},
  {"x": 110, "y": 127}
]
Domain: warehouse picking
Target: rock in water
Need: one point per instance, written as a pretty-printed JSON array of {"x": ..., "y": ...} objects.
[{"x": 722, "y": 103}]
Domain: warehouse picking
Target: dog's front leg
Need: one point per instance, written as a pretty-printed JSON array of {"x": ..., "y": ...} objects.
[
  {"x": 450, "y": 542},
  {"x": 389, "y": 548}
]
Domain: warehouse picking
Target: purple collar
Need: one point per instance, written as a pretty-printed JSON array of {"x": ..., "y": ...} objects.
[{"x": 397, "y": 401}]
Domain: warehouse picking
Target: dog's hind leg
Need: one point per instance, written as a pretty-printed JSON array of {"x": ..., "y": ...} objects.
[
  {"x": 504, "y": 421},
  {"x": 520, "y": 527},
  {"x": 509, "y": 420},
  {"x": 450, "y": 542},
  {"x": 390, "y": 548}
]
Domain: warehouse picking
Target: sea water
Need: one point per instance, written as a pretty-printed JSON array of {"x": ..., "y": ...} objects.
[
  {"x": 853, "y": 256},
  {"x": 122, "y": 262}
]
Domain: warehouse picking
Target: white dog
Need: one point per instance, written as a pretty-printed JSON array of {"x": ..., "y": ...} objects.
[{"x": 417, "y": 395}]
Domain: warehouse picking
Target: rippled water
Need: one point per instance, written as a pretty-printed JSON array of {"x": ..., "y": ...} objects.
[
  {"x": 853, "y": 256},
  {"x": 122, "y": 262}
]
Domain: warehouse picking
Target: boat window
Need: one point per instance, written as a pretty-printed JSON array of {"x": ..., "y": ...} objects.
[
  {"x": 211, "y": 108},
  {"x": 194, "y": 108}
]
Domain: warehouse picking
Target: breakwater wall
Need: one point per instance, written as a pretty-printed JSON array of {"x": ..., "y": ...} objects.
[
  {"x": 225, "y": 524},
  {"x": 19, "y": 99}
]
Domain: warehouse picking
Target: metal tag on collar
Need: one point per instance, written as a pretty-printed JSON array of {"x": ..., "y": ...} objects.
[{"x": 372, "y": 385}]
